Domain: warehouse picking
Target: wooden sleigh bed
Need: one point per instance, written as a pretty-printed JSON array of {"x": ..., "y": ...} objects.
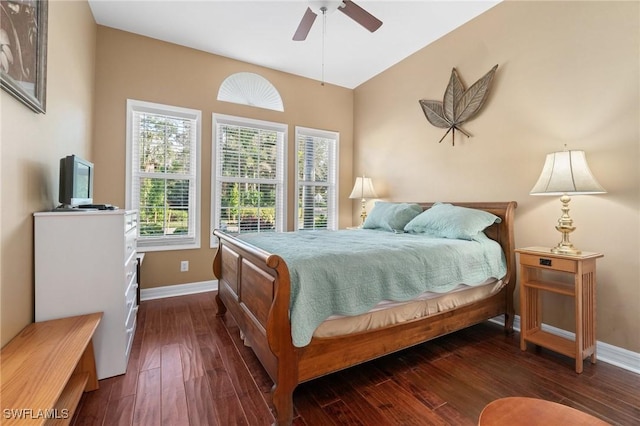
[{"x": 254, "y": 287}]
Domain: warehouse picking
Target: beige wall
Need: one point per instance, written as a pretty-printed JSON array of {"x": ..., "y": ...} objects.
[
  {"x": 131, "y": 66},
  {"x": 33, "y": 143},
  {"x": 568, "y": 74}
]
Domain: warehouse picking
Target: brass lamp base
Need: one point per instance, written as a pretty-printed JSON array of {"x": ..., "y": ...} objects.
[
  {"x": 565, "y": 226},
  {"x": 363, "y": 214},
  {"x": 563, "y": 249}
]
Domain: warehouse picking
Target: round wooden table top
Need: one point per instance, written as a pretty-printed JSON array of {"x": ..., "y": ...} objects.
[{"x": 531, "y": 411}]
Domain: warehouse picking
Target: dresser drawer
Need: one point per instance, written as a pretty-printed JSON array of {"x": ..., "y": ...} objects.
[
  {"x": 130, "y": 301},
  {"x": 130, "y": 244},
  {"x": 132, "y": 310},
  {"x": 130, "y": 221},
  {"x": 131, "y": 332},
  {"x": 130, "y": 274}
]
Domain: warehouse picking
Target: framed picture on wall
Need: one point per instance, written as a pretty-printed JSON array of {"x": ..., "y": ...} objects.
[{"x": 23, "y": 51}]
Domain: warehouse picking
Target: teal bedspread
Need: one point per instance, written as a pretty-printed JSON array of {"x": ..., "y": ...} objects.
[{"x": 348, "y": 272}]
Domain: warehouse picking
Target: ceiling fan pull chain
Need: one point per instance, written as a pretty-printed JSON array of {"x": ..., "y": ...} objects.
[{"x": 324, "y": 32}]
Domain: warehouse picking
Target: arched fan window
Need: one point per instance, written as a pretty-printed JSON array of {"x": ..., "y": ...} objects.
[{"x": 251, "y": 89}]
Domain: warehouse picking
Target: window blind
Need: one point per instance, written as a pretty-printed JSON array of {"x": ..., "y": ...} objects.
[
  {"x": 316, "y": 179},
  {"x": 249, "y": 175},
  {"x": 163, "y": 180}
]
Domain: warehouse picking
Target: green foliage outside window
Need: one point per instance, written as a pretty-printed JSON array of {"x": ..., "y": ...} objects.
[
  {"x": 313, "y": 182},
  {"x": 164, "y": 169},
  {"x": 247, "y": 178}
]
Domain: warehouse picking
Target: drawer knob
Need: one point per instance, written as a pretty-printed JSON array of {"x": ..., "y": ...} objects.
[{"x": 545, "y": 262}]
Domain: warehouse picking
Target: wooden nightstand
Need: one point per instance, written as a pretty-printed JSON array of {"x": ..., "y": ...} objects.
[{"x": 533, "y": 262}]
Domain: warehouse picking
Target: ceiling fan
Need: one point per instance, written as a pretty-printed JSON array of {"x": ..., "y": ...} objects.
[{"x": 347, "y": 7}]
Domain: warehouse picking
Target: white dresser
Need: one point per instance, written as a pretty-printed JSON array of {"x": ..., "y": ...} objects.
[{"x": 86, "y": 262}]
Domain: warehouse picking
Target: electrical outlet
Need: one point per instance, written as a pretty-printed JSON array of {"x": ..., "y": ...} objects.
[{"x": 184, "y": 266}]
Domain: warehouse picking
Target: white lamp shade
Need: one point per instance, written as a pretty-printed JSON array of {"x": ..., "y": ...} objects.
[
  {"x": 566, "y": 172},
  {"x": 363, "y": 188}
]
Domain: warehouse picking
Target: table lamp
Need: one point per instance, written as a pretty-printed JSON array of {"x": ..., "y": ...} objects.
[
  {"x": 363, "y": 189},
  {"x": 566, "y": 173}
]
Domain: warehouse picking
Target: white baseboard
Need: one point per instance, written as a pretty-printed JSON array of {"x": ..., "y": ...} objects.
[
  {"x": 610, "y": 354},
  {"x": 178, "y": 290}
]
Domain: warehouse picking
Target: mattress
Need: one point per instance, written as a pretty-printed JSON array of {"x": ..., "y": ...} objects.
[
  {"x": 350, "y": 272},
  {"x": 388, "y": 313}
]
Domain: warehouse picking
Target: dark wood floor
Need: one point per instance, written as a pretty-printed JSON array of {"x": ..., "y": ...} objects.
[{"x": 188, "y": 367}]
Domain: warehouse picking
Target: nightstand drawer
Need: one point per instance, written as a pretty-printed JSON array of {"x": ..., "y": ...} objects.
[{"x": 548, "y": 262}]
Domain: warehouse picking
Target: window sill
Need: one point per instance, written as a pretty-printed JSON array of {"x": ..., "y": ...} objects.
[{"x": 168, "y": 247}]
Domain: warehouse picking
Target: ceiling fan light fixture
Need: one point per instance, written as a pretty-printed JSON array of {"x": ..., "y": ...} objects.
[{"x": 320, "y": 7}]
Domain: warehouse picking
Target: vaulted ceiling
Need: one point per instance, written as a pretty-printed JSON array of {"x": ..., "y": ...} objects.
[{"x": 337, "y": 51}]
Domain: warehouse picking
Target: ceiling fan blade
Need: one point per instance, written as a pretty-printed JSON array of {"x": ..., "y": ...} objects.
[
  {"x": 360, "y": 15},
  {"x": 305, "y": 25}
]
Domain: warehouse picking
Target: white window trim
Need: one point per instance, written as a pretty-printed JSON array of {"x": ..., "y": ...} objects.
[
  {"x": 142, "y": 106},
  {"x": 242, "y": 121},
  {"x": 324, "y": 134}
]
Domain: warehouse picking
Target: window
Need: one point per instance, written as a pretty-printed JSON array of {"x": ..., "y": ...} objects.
[
  {"x": 316, "y": 179},
  {"x": 247, "y": 88},
  {"x": 249, "y": 176},
  {"x": 163, "y": 174}
]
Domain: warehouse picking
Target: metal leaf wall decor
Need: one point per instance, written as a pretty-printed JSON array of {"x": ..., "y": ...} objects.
[{"x": 458, "y": 105}]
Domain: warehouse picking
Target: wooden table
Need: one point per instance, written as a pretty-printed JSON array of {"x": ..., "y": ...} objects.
[
  {"x": 531, "y": 411},
  {"x": 536, "y": 263}
]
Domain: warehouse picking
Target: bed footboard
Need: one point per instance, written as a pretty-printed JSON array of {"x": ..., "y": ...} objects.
[{"x": 253, "y": 286}]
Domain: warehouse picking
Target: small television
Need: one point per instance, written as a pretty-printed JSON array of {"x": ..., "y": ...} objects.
[{"x": 76, "y": 181}]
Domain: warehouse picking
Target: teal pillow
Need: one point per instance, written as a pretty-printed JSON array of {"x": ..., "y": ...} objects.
[
  {"x": 391, "y": 216},
  {"x": 449, "y": 221}
]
